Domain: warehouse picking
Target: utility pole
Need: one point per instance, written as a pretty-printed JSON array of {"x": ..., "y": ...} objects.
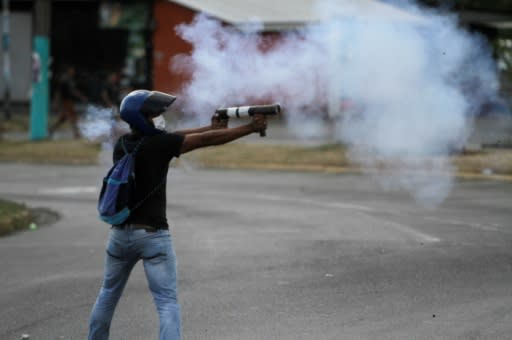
[
  {"x": 40, "y": 101},
  {"x": 7, "y": 60}
]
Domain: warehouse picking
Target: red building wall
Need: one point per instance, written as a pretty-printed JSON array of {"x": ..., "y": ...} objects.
[{"x": 167, "y": 43}]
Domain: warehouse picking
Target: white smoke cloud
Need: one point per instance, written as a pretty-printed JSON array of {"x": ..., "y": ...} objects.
[
  {"x": 401, "y": 92},
  {"x": 99, "y": 124},
  {"x": 228, "y": 66}
]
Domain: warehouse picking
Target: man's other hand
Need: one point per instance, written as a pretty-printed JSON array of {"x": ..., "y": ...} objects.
[{"x": 259, "y": 123}]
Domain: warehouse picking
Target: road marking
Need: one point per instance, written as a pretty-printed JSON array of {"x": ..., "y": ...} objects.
[
  {"x": 276, "y": 198},
  {"x": 422, "y": 237},
  {"x": 68, "y": 190},
  {"x": 417, "y": 234},
  {"x": 462, "y": 223},
  {"x": 349, "y": 206}
]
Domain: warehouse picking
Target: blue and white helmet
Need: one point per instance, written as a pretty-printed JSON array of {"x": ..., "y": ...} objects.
[{"x": 139, "y": 105}]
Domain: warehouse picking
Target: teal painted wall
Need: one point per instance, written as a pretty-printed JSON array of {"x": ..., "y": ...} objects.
[{"x": 40, "y": 101}]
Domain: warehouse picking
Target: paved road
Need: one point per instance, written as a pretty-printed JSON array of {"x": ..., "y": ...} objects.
[{"x": 267, "y": 255}]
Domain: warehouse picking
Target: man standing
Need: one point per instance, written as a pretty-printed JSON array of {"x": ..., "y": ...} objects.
[
  {"x": 110, "y": 91},
  {"x": 145, "y": 234},
  {"x": 68, "y": 94}
]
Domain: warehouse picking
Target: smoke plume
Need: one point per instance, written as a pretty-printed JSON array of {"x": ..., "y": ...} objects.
[
  {"x": 401, "y": 90},
  {"x": 100, "y": 124}
]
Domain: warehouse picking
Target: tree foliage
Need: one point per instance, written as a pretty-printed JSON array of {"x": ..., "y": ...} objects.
[{"x": 487, "y": 5}]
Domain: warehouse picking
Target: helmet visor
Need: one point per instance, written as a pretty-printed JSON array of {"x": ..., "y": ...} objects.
[{"x": 156, "y": 103}]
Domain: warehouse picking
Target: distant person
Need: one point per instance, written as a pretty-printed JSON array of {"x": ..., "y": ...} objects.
[
  {"x": 111, "y": 94},
  {"x": 111, "y": 91},
  {"x": 67, "y": 96},
  {"x": 145, "y": 234}
]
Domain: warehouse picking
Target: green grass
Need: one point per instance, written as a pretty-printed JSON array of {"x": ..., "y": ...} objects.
[
  {"x": 499, "y": 161},
  {"x": 52, "y": 152},
  {"x": 332, "y": 157},
  {"x": 13, "y": 217},
  {"x": 17, "y": 123},
  {"x": 268, "y": 156},
  {"x": 328, "y": 157}
]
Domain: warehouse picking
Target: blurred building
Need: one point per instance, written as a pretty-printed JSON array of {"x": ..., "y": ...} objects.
[
  {"x": 493, "y": 19},
  {"x": 20, "y": 48},
  {"x": 275, "y": 18},
  {"x": 138, "y": 37},
  {"x": 97, "y": 37}
]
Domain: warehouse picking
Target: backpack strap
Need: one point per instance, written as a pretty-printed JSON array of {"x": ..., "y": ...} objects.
[
  {"x": 139, "y": 203},
  {"x": 149, "y": 194},
  {"x": 123, "y": 145}
]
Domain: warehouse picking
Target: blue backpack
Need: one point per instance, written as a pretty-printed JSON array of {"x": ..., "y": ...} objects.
[{"x": 115, "y": 201}]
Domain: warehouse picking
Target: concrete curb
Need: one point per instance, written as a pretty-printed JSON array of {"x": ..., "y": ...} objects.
[{"x": 342, "y": 170}]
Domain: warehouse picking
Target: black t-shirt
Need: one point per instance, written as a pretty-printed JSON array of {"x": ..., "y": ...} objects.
[{"x": 151, "y": 167}]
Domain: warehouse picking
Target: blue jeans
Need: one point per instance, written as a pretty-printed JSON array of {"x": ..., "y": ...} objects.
[{"x": 124, "y": 248}]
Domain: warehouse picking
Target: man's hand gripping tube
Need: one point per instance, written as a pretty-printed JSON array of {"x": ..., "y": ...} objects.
[{"x": 247, "y": 111}]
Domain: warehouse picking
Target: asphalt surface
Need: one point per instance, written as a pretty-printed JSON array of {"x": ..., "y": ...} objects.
[{"x": 269, "y": 255}]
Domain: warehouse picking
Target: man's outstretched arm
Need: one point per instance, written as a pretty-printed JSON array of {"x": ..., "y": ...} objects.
[
  {"x": 221, "y": 136},
  {"x": 217, "y": 123}
]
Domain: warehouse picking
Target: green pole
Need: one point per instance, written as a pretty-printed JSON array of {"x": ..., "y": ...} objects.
[{"x": 40, "y": 101}]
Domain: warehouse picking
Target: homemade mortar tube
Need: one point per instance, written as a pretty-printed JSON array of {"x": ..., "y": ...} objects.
[{"x": 248, "y": 111}]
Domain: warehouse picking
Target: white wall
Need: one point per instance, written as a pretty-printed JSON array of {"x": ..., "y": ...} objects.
[{"x": 20, "y": 52}]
